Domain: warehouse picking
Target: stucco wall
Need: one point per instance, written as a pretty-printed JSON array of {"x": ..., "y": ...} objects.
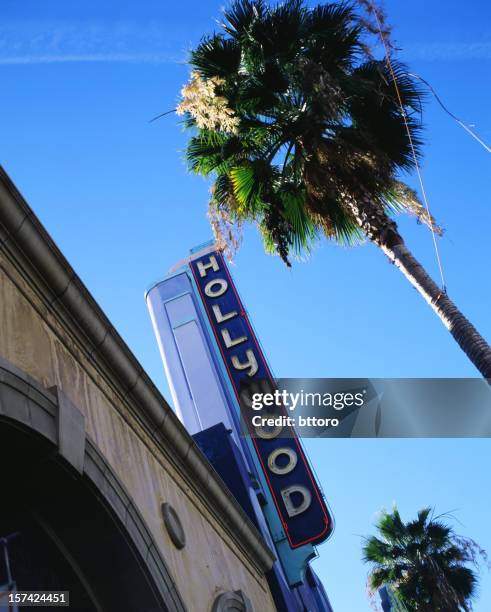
[{"x": 34, "y": 337}]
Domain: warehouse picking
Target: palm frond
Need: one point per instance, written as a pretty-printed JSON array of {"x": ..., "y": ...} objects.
[
  {"x": 204, "y": 152},
  {"x": 400, "y": 198},
  {"x": 223, "y": 193},
  {"x": 248, "y": 184},
  {"x": 303, "y": 230},
  {"x": 276, "y": 35},
  {"x": 376, "y": 114},
  {"x": 240, "y": 16},
  {"x": 216, "y": 56},
  {"x": 333, "y": 35}
]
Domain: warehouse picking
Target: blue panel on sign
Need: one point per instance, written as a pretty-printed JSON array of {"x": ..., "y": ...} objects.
[{"x": 296, "y": 495}]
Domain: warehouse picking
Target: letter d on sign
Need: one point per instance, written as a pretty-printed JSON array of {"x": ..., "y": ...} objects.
[{"x": 294, "y": 510}]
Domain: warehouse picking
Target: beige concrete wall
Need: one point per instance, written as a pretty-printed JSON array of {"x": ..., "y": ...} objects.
[{"x": 33, "y": 338}]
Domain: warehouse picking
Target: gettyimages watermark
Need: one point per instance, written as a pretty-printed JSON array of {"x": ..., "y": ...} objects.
[{"x": 367, "y": 408}]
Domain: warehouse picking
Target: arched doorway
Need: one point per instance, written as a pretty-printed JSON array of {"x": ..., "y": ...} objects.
[{"x": 67, "y": 531}]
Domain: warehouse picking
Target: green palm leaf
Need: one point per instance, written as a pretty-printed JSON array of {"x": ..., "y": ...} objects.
[
  {"x": 247, "y": 188},
  {"x": 216, "y": 56}
]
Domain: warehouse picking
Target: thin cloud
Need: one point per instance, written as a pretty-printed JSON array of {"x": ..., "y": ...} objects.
[
  {"x": 109, "y": 58},
  {"x": 26, "y": 43},
  {"x": 153, "y": 42},
  {"x": 447, "y": 51}
]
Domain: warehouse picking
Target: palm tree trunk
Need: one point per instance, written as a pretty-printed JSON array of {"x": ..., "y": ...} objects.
[
  {"x": 466, "y": 335},
  {"x": 382, "y": 230}
]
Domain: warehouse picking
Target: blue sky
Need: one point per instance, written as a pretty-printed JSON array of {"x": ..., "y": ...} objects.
[{"x": 79, "y": 83}]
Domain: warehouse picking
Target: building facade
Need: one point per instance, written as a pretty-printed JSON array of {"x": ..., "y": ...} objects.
[
  {"x": 211, "y": 353},
  {"x": 105, "y": 493}
]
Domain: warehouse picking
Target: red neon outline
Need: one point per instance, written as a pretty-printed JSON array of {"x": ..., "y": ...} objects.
[{"x": 294, "y": 436}]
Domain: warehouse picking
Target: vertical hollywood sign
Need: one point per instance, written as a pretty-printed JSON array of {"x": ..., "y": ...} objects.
[{"x": 296, "y": 495}]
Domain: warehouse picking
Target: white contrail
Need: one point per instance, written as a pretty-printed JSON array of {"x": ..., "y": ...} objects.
[
  {"x": 447, "y": 51},
  {"x": 129, "y": 58},
  {"x": 40, "y": 42}
]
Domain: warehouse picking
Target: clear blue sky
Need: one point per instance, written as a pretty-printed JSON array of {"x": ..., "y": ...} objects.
[{"x": 79, "y": 82}]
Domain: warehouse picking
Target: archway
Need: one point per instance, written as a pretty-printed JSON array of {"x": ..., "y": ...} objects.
[{"x": 72, "y": 531}]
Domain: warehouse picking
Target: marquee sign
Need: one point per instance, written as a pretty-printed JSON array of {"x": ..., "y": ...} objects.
[{"x": 298, "y": 500}]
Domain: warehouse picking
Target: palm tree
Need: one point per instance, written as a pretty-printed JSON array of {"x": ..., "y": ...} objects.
[
  {"x": 305, "y": 134},
  {"x": 423, "y": 562}
]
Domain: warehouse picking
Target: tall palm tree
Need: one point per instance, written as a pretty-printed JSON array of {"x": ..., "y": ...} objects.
[
  {"x": 423, "y": 562},
  {"x": 304, "y": 133}
]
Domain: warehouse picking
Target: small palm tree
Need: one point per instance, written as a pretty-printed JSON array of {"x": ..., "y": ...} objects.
[
  {"x": 423, "y": 562},
  {"x": 305, "y": 134}
]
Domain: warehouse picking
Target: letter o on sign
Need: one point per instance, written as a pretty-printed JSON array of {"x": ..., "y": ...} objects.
[
  {"x": 216, "y": 287},
  {"x": 268, "y": 434},
  {"x": 285, "y": 469}
]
